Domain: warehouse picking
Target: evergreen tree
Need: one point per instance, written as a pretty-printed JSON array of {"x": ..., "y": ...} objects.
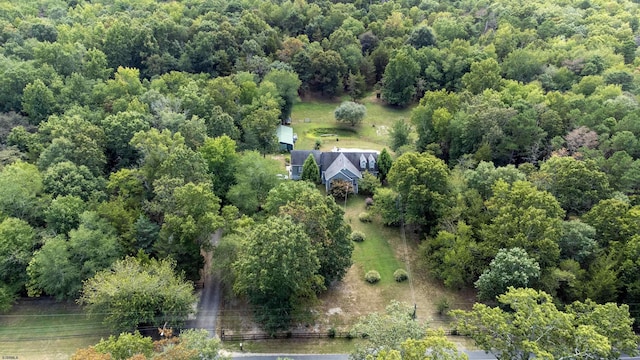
[
  {"x": 384, "y": 164},
  {"x": 310, "y": 170}
]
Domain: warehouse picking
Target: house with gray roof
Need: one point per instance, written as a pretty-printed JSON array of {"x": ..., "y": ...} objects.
[{"x": 340, "y": 164}]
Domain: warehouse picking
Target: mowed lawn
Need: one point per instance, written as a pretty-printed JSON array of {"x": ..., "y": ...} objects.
[
  {"x": 313, "y": 120},
  {"x": 44, "y": 329}
]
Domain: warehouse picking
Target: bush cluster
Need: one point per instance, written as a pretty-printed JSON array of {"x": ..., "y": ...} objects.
[
  {"x": 372, "y": 276},
  {"x": 365, "y": 217},
  {"x": 400, "y": 275},
  {"x": 357, "y": 236}
]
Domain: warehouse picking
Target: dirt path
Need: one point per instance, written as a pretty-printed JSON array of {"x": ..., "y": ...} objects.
[{"x": 209, "y": 304}]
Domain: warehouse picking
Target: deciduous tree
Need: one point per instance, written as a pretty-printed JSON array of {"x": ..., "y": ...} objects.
[
  {"x": 387, "y": 331},
  {"x": 323, "y": 221},
  {"x": 510, "y": 268},
  {"x": 255, "y": 176},
  {"x": 400, "y": 79},
  {"x": 532, "y": 326},
  {"x": 422, "y": 181},
  {"x": 350, "y": 112},
  {"x": 277, "y": 271},
  {"x": 160, "y": 294}
]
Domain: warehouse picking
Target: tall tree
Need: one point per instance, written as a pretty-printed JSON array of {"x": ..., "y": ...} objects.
[
  {"x": 350, "y": 112},
  {"x": 277, "y": 271},
  {"x": 399, "y": 134},
  {"x": 525, "y": 217},
  {"x": 222, "y": 160},
  {"x": 60, "y": 266},
  {"x": 578, "y": 185},
  {"x": 384, "y": 164},
  {"x": 422, "y": 181},
  {"x": 529, "y": 325},
  {"x": 191, "y": 215},
  {"x": 38, "y": 101},
  {"x": 510, "y": 268},
  {"x": 255, "y": 176},
  {"x": 17, "y": 242},
  {"x": 323, "y": 221},
  {"x": 161, "y": 294},
  {"x": 387, "y": 331},
  {"x": 310, "y": 170},
  {"x": 20, "y": 188},
  {"x": 400, "y": 79},
  {"x": 287, "y": 84}
]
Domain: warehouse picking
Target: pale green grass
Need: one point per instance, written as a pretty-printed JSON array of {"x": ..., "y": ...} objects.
[
  {"x": 376, "y": 252},
  {"x": 372, "y": 133},
  {"x": 44, "y": 329}
]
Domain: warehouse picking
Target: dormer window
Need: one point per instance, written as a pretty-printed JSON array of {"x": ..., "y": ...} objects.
[
  {"x": 363, "y": 162},
  {"x": 372, "y": 163}
]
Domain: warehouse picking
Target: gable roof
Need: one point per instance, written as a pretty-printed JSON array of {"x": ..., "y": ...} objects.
[
  {"x": 341, "y": 164},
  {"x": 325, "y": 159},
  {"x": 299, "y": 156},
  {"x": 285, "y": 134}
]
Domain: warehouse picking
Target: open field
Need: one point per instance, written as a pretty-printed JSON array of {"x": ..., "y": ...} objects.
[
  {"x": 44, "y": 329},
  {"x": 313, "y": 120}
]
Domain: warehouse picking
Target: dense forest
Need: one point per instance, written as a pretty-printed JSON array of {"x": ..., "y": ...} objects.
[{"x": 131, "y": 130}]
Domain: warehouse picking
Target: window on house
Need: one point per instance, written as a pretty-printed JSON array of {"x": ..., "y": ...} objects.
[
  {"x": 363, "y": 162},
  {"x": 372, "y": 163}
]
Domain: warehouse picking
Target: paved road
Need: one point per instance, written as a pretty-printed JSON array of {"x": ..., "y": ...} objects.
[{"x": 209, "y": 304}]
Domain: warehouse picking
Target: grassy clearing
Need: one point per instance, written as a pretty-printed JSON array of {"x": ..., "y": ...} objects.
[
  {"x": 385, "y": 251},
  {"x": 45, "y": 329},
  {"x": 313, "y": 120}
]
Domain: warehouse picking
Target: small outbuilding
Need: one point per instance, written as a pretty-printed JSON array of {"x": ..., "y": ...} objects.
[{"x": 285, "y": 138}]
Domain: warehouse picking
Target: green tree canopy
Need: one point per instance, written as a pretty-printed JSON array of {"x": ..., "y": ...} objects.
[
  {"x": 523, "y": 216},
  {"x": 528, "y": 324},
  {"x": 350, "y": 112},
  {"x": 160, "y": 294},
  {"x": 17, "y": 242},
  {"x": 255, "y": 176},
  {"x": 435, "y": 346},
  {"x": 422, "y": 181},
  {"x": 310, "y": 170},
  {"x": 277, "y": 270},
  {"x": 578, "y": 185},
  {"x": 191, "y": 215},
  {"x": 60, "y": 266},
  {"x": 222, "y": 160},
  {"x": 400, "y": 78},
  {"x": 510, "y": 268},
  {"x": 323, "y": 221},
  {"x": 20, "y": 187},
  {"x": 387, "y": 331}
]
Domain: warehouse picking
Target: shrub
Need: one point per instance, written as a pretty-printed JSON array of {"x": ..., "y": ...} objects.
[
  {"x": 443, "y": 306},
  {"x": 332, "y": 333},
  {"x": 365, "y": 217},
  {"x": 400, "y": 275},
  {"x": 368, "y": 202},
  {"x": 318, "y": 144},
  {"x": 357, "y": 236},
  {"x": 340, "y": 189},
  {"x": 368, "y": 184},
  {"x": 372, "y": 276}
]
